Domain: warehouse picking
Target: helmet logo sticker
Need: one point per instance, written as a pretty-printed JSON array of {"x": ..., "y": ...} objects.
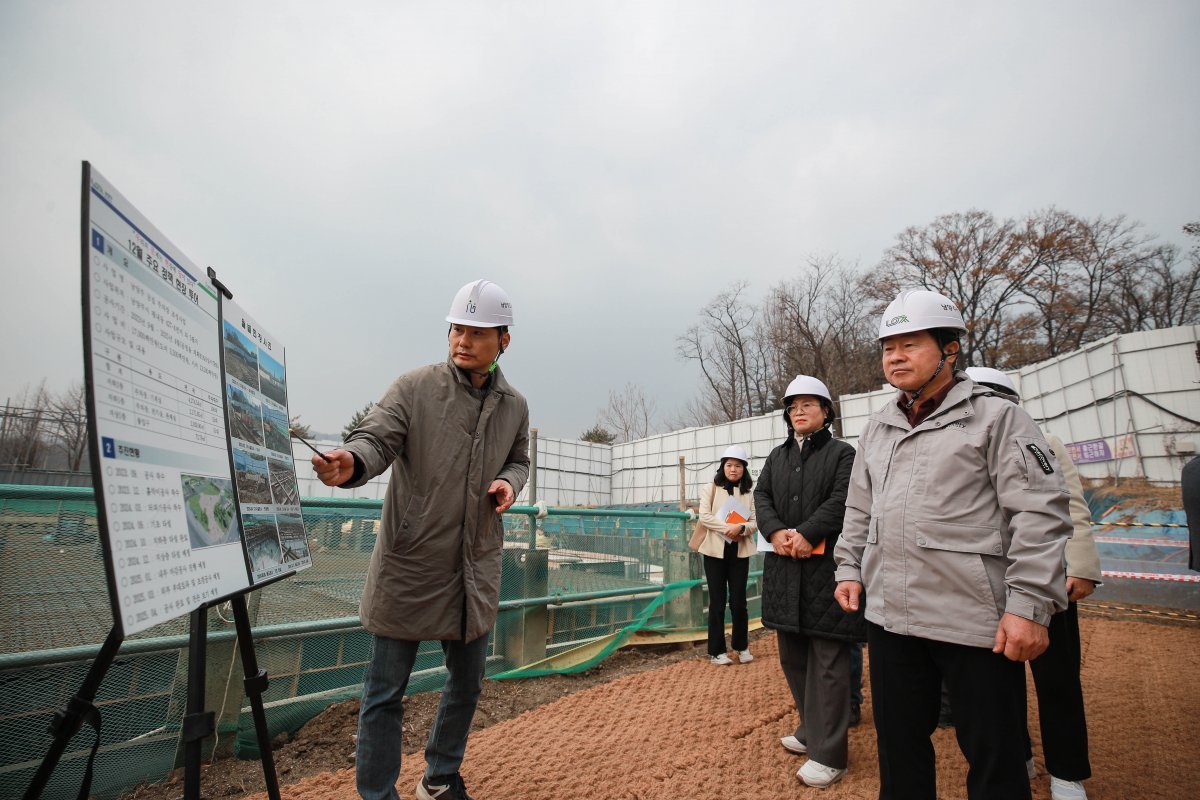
[
  {"x": 898, "y": 319},
  {"x": 470, "y": 306}
]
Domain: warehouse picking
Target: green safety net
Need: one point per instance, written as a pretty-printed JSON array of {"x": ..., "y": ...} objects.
[{"x": 574, "y": 580}]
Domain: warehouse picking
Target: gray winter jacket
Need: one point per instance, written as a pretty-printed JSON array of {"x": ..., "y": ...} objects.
[
  {"x": 435, "y": 570},
  {"x": 957, "y": 521}
]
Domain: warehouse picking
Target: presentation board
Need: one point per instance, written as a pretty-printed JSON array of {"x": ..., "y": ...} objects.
[
  {"x": 263, "y": 471},
  {"x": 163, "y": 461}
]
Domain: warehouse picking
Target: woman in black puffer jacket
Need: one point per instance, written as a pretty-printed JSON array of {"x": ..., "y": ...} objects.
[{"x": 800, "y": 500}]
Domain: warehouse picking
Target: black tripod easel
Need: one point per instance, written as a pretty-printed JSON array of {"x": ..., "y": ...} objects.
[{"x": 198, "y": 724}]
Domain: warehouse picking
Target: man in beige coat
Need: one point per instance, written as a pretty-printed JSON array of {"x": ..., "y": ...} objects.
[
  {"x": 956, "y": 519},
  {"x": 455, "y": 435},
  {"x": 1056, "y": 671}
]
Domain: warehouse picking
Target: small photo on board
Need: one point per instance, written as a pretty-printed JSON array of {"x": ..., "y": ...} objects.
[
  {"x": 293, "y": 539},
  {"x": 250, "y": 472},
  {"x": 241, "y": 356},
  {"x": 208, "y": 504},
  {"x": 271, "y": 378},
  {"x": 275, "y": 426},
  {"x": 262, "y": 541},
  {"x": 245, "y": 415},
  {"x": 283, "y": 483}
]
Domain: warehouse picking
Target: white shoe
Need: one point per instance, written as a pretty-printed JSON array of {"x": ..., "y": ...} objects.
[
  {"x": 818, "y": 775},
  {"x": 1066, "y": 790},
  {"x": 724, "y": 660},
  {"x": 1030, "y": 769},
  {"x": 745, "y": 656},
  {"x": 794, "y": 745}
]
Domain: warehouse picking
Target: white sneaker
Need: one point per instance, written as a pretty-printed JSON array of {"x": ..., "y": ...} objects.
[
  {"x": 1066, "y": 790},
  {"x": 794, "y": 745},
  {"x": 818, "y": 775},
  {"x": 745, "y": 656},
  {"x": 724, "y": 660}
]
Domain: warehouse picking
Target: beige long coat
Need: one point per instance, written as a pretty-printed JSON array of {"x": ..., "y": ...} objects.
[{"x": 435, "y": 570}]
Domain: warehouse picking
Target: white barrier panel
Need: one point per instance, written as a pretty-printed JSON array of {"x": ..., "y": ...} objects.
[{"x": 1137, "y": 393}]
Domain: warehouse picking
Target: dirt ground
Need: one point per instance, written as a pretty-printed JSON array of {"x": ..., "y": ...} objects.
[{"x": 668, "y": 725}]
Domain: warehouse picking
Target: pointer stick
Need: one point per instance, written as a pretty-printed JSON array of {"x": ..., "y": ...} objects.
[{"x": 295, "y": 435}]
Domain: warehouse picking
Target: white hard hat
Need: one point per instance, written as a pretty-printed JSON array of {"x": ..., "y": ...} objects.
[
  {"x": 738, "y": 452},
  {"x": 919, "y": 310},
  {"x": 994, "y": 377},
  {"x": 806, "y": 384},
  {"x": 482, "y": 304}
]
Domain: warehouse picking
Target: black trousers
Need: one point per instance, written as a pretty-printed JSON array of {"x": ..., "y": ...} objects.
[
  {"x": 1060, "y": 700},
  {"x": 988, "y": 694},
  {"x": 721, "y": 573}
]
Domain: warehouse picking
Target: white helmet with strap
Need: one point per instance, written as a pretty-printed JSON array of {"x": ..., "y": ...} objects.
[
  {"x": 916, "y": 310},
  {"x": 806, "y": 384},
  {"x": 919, "y": 310},
  {"x": 738, "y": 452},
  {"x": 481, "y": 304},
  {"x": 993, "y": 377}
]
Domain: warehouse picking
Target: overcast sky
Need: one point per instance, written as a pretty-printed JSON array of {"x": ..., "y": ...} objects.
[{"x": 612, "y": 165}]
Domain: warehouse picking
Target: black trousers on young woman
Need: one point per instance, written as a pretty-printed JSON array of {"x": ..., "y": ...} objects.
[{"x": 727, "y": 579}]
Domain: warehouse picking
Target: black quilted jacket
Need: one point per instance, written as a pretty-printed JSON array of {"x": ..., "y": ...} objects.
[{"x": 806, "y": 492}]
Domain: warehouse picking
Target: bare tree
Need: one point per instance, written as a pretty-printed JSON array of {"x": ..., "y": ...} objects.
[
  {"x": 1081, "y": 261},
  {"x": 821, "y": 324},
  {"x": 729, "y": 345},
  {"x": 66, "y": 424},
  {"x": 1164, "y": 291},
  {"x": 22, "y": 442},
  {"x": 629, "y": 414},
  {"x": 979, "y": 262}
]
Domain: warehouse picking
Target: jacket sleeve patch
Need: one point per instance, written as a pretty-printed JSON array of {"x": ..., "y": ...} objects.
[{"x": 1042, "y": 460}]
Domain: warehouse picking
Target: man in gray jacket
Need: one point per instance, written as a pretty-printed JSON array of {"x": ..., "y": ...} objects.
[
  {"x": 956, "y": 518},
  {"x": 455, "y": 435}
]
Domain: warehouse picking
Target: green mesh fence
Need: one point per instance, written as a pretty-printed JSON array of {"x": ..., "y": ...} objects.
[{"x": 576, "y": 585}]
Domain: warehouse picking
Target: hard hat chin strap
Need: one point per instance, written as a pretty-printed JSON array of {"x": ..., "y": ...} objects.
[
  {"x": 492, "y": 366},
  {"x": 912, "y": 399}
]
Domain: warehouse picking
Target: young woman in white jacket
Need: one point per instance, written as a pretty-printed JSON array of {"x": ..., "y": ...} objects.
[{"x": 727, "y": 548}]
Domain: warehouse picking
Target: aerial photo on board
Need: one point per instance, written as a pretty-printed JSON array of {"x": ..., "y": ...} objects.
[
  {"x": 250, "y": 472},
  {"x": 275, "y": 426},
  {"x": 245, "y": 415},
  {"x": 292, "y": 537},
  {"x": 241, "y": 356},
  {"x": 262, "y": 541},
  {"x": 209, "y": 505},
  {"x": 271, "y": 375},
  {"x": 283, "y": 483}
]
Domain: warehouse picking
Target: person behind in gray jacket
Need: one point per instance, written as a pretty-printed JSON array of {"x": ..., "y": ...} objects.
[
  {"x": 800, "y": 501},
  {"x": 956, "y": 519},
  {"x": 1056, "y": 671},
  {"x": 455, "y": 435}
]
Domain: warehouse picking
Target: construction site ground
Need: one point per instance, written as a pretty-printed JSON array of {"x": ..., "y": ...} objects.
[{"x": 664, "y": 723}]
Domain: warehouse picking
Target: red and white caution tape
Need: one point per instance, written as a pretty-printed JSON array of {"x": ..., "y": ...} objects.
[
  {"x": 1152, "y": 576},
  {"x": 1183, "y": 543}
]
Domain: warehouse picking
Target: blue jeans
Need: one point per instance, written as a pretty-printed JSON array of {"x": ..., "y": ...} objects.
[{"x": 381, "y": 717}]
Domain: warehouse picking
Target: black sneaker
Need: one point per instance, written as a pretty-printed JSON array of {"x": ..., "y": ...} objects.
[{"x": 446, "y": 787}]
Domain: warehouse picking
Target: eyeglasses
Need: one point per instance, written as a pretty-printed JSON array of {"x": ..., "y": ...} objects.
[{"x": 803, "y": 405}]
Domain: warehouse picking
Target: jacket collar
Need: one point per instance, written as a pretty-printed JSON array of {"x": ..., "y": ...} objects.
[
  {"x": 499, "y": 384},
  {"x": 964, "y": 389},
  {"x": 818, "y": 440}
]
